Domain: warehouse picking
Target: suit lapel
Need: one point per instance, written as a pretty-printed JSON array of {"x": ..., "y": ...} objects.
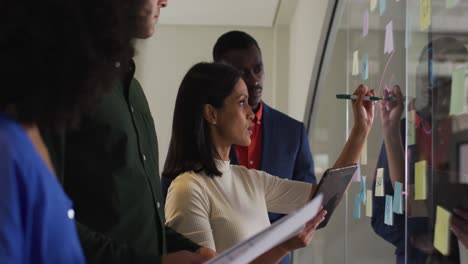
[
  {"x": 267, "y": 124},
  {"x": 233, "y": 156}
]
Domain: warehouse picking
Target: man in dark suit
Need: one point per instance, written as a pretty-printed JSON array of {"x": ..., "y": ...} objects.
[{"x": 279, "y": 143}]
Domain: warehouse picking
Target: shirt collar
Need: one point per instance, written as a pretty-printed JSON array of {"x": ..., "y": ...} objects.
[
  {"x": 258, "y": 116},
  {"x": 222, "y": 165}
]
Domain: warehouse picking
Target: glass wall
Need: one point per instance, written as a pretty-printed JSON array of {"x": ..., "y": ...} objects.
[{"x": 413, "y": 173}]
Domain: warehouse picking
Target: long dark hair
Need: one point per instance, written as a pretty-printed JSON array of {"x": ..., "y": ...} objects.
[
  {"x": 191, "y": 146},
  {"x": 59, "y": 56}
]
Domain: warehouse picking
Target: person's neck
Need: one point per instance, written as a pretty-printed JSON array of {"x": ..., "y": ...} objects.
[
  {"x": 32, "y": 131},
  {"x": 255, "y": 108},
  {"x": 222, "y": 152}
]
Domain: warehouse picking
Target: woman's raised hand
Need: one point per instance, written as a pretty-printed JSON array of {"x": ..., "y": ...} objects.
[
  {"x": 363, "y": 110},
  {"x": 390, "y": 111}
]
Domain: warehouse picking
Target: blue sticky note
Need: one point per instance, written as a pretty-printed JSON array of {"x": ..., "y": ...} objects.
[
  {"x": 363, "y": 190},
  {"x": 397, "y": 199},
  {"x": 382, "y": 7},
  {"x": 365, "y": 68},
  {"x": 357, "y": 206},
  {"x": 388, "y": 210}
]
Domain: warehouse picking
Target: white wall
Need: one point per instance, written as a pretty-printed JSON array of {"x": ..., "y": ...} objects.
[
  {"x": 163, "y": 60},
  {"x": 305, "y": 29},
  {"x": 288, "y": 51}
]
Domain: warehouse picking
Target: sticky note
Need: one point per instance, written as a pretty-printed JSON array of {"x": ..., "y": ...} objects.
[
  {"x": 362, "y": 190},
  {"x": 389, "y": 38},
  {"x": 457, "y": 98},
  {"x": 388, "y": 210},
  {"x": 411, "y": 127},
  {"x": 365, "y": 69},
  {"x": 408, "y": 31},
  {"x": 379, "y": 183},
  {"x": 420, "y": 192},
  {"x": 382, "y": 7},
  {"x": 373, "y": 4},
  {"x": 442, "y": 232},
  {"x": 357, "y": 174},
  {"x": 365, "y": 24},
  {"x": 369, "y": 203},
  {"x": 356, "y": 63},
  {"x": 357, "y": 206},
  {"x": 425, "y": 13},
  {"x": 397, "y": 198},
  {"x": 451, "y": 3},
  {"x": 364, "y": 154},
  {"x": 463, "y": 166}
]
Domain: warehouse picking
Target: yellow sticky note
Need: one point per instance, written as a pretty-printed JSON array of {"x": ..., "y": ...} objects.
[
  {"x": 425, "y": 13},
  {"x": 457, "y": 97},
  {"x": 369, "y": 203},
  {"x": 373, "y": 4},
  {"x": 379, "y": 183},
  {"x": 442, "y": 233},
  {"x": 364, "y": 154},
  {"x": 420, "y": 181},
  {"x": 411, "y": 125},
  {"x": 356, "y": 63}
]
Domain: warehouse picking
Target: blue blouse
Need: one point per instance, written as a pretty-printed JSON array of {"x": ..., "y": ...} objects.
[{"x": 36, "y": 217}]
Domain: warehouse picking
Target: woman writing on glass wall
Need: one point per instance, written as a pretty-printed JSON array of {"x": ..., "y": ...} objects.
[{"x": 217, "y": 204}]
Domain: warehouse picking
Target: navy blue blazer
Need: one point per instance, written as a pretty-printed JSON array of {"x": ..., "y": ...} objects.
[
  {"x": 285, "y": 149},
  {"x": 395, "y": 234}
]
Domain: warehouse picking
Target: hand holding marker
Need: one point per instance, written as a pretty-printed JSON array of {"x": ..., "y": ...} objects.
[{"x": 365, "y": 98}]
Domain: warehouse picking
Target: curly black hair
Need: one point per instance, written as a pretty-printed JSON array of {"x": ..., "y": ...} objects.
[
  {"x": 59, "y": 56},
  {"x": 232, "y": 40}
]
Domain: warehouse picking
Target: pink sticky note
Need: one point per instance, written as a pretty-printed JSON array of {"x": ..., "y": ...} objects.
[
  {"x": 357, "y": 174},
  {"x": 389, "y": 38},
  {"x": 365, "y": 23}
]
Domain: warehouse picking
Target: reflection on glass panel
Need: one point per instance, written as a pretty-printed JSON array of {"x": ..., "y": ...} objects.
[{"x": 401, "y": 207}]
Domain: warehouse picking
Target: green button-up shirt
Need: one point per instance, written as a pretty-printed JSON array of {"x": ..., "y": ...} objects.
[{"x": 109, "y": 168}]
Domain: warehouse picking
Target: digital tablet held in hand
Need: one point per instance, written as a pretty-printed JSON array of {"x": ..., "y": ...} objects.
[{"x": 332, "y": 186}]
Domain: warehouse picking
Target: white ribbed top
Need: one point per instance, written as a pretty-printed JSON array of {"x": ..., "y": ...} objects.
[{"x": 219, "y": 212}]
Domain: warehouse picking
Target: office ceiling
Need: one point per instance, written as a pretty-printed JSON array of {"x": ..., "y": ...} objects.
[{"x": 258, "y": 13}]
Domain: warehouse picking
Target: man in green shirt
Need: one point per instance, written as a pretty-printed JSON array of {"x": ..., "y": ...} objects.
[{"x": 109, "y": 168}]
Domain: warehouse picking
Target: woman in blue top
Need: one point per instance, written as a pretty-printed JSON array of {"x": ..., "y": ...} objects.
[{"x": 57, "y": 57}]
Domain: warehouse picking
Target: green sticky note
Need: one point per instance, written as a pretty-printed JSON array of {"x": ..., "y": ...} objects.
[
  {"x": 369, "y": 203},
  {"x": 411, "y": 125},
  {"x": 457, "y": 100},
  {"x": 451, "y": 3},
  {"x": 442, "y": 232},
  {"x": 420, "y": 182},
  {"x": 379, "y": 183}
]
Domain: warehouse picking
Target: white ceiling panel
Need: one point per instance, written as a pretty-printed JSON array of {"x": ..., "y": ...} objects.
[{"x": 259, "y": 13}]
